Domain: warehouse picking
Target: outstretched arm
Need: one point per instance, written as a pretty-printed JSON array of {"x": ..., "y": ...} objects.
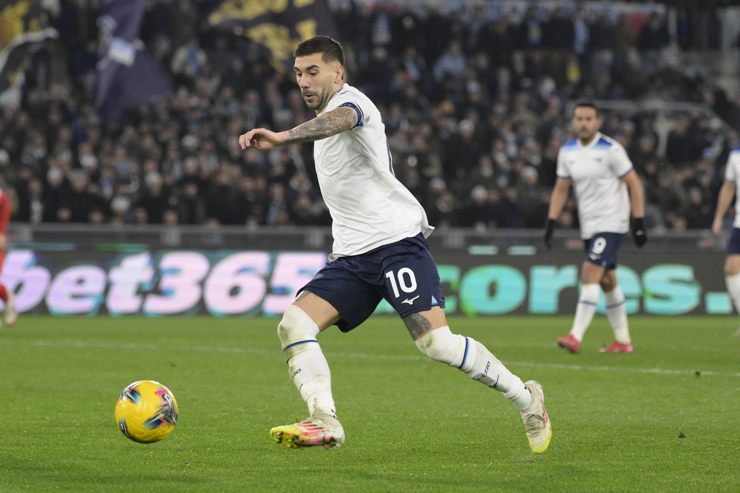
[
  {"x": 323, "y": 126},
  {"x": 330, "y": 123},
  {"x": 726, "y": 194}
]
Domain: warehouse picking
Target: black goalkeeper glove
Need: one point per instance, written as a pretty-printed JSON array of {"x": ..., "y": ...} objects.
[
  {"x": 549, "y": 230},
  {"x": 639, "y": 233}
]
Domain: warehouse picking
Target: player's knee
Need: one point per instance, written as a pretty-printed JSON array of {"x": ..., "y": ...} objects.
[
  {"x": 443, "y": 346},
  {"x": 732, "y": 265},
  {"x": 590, "y": 292},
  {"x": 296, "y": 330},
  {"x": 607, "y": 284}
]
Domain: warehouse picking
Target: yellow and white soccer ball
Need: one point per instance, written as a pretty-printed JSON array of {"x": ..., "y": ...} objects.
[{"x": 146, "y": 411}]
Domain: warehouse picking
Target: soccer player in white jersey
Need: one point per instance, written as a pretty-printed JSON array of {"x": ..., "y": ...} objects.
[
  {"x": 727, "y": 192},
  {"x": 380, "y": 251},
  {"x": 602, "y": 174}
]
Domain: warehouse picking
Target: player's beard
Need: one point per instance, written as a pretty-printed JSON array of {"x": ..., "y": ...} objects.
[
  {"x": 315, "y": 102},
  {"x": 586, "y": 135},
  {"x": 320, "y": 98}
]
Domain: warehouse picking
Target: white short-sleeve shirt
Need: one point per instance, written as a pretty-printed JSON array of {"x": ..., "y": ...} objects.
[
  {"x": 596, "y": 170},
  {"x": 369, "y": 207},
  {"x": 732, "y": 173}
]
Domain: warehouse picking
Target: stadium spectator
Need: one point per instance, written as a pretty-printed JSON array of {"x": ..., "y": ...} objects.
[
  {"x": 452, "y": 103},
  {"x": 653, "y": 38}
]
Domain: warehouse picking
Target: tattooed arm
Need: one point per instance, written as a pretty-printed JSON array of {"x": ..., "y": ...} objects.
[{"x": 330, "y": 123}]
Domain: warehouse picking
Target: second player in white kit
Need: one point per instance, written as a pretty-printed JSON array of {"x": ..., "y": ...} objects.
[{"x": 607, "y": 188}]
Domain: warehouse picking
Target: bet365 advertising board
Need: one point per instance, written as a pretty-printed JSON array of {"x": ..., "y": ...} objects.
[{"x": 260, "y": 282}]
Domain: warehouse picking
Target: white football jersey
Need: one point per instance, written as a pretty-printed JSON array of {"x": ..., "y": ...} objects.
[
  {"x": 369, "y": 207},
  {"x": 732, "y": 173},
  {"x": 597, "y": 170}
]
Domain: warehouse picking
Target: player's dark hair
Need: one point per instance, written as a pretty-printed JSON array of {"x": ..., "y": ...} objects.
[
  {"x": 585, "y": 103},
  {"x": 329, "y": 48}
]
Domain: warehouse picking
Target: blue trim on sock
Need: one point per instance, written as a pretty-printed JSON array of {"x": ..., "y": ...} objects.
[
  {"x": 465, "y": 354},
  {"x": 299, "y": 343},
  {"x": 587, "y": 302},
  {"x": 616, "y": 304}
]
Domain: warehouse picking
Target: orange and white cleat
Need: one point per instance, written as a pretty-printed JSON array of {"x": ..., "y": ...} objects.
[
  {"x": 317, "y": 431},
  {"x": 618, "y": 347},
  {"x": 570, "y": 343}
]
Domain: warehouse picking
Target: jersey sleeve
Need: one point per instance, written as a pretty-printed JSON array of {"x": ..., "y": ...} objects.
[
  {"x": 731, "y": 168},
  {"x": 562, "y": 170},
  {"x": 346, "y": 99},
  {"x": 619, "y": 161}
]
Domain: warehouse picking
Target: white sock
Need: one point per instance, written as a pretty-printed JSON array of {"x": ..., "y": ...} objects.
[
  {"x": 473, "y": 358},
  {"x": 733, "y": 288},
  {"x": 616, "y": 312},
  {"x": 310, "y": 373},
  {"x": 585, "y": 310},
  {"x": 481, "y": 365}
]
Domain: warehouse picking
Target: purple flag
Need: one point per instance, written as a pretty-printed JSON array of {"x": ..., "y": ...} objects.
[{"x": 128, "y": 75}]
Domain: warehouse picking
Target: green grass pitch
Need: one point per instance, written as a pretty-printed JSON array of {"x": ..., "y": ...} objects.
[{"x": 665, "y": 418}]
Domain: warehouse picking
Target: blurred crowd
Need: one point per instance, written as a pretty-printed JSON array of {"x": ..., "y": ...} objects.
[{"x": 476, "y": 105}]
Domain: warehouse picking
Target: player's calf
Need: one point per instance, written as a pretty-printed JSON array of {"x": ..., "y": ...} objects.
[
  {"x": 472, "y": 357},
  {"x": 481, "y": 365},
  {"x": 309, "y": 371}
]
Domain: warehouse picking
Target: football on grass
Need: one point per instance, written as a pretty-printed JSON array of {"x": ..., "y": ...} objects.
[{"x": 146, "y": 411}]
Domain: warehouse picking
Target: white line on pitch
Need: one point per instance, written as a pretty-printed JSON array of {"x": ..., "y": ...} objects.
[
  {"x": 386, "y": 357},
  {"x": 654, "y": 371}
]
